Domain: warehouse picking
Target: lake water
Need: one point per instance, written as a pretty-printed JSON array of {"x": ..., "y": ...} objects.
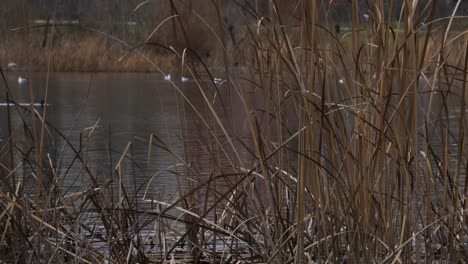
[
  {"x": 106, "y": 112},
  {"x": 126, "y": 108},
  {"x": 129, "y": 108}
]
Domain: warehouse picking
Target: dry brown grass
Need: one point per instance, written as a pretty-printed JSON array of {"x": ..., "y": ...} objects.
[
  {"x": 352, "y": 149},
  {"x": 94, "y": 51},
  {"x": 80, "y": 53}
]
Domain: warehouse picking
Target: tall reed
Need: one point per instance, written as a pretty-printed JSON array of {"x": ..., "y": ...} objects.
[{"x": 355, "y": 155}]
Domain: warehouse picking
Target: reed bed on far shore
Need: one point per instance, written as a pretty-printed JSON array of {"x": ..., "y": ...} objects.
[
  {"x": 76, "y": 53},
  {"x": 328, "y": 147}
]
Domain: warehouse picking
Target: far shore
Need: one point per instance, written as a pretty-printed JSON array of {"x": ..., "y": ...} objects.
[
  {"x": 88, "y": 53},
  {"x": 83, "y": 51}
]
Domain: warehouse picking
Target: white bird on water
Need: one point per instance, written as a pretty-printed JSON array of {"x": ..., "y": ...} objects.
[
  {"x": 22, "y": 80},
  {"x": 12, "y": 66},
  {"x": 41, "y": 104},
  {"x": 218, "y": 81},
  {"x": 168, "y": 77},
  {"x": 366, "y": 17}
]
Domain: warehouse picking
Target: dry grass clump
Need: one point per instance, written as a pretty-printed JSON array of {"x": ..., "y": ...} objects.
[
  {"x": 84, "y": 52},
  {"x": 82, "y": 48},
  {"x": 339, "y": 149},
  {"x": 96, "y": 52}
]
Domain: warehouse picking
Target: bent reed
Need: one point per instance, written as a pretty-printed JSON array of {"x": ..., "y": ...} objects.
[{"x": 353, "y": 149}]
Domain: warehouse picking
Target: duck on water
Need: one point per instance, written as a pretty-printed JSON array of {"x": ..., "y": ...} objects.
[
  {"x": 22, "y": 80},
  {"x": 168, "y": 77},
  {"x": 41, "y": 104}
]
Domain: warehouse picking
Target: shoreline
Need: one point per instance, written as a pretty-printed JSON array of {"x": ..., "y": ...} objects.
[{"x": 90, "y": 53}]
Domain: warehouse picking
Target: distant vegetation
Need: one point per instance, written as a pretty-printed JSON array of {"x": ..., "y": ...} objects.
[
  {"x": 134, "y": 21},
  {"x": 353, "y": 147}
]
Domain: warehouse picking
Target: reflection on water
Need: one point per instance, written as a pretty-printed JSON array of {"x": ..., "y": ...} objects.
[
  {"x": 104, "y": 112},
  {"x": 100, "y": 114}
]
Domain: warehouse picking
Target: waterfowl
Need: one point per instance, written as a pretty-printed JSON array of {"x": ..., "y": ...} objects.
[
  {"x": 218, "y": 81},
  {"x": 42, "y": 104},
  {"x": 22, "y": 80},
  {"x": 184, "y": 79},
  {"x": 365, "y": 17},
  {"x": 167, "y": 77},
  {"x": 12, "y": 66}
]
